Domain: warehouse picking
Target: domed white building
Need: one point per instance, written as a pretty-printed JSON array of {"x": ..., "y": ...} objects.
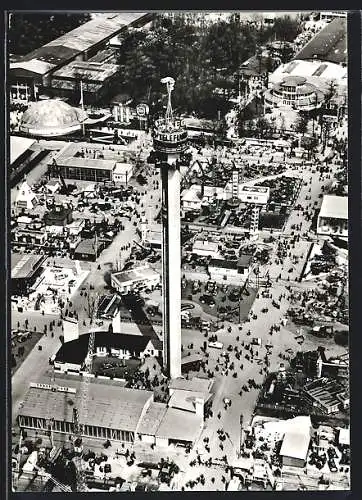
[{"x": 51, "y": 118}]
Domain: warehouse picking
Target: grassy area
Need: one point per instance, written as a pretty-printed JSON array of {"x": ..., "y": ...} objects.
[
  {"x": 25, "y": 348},
  {"x": 118, "y": 368}
]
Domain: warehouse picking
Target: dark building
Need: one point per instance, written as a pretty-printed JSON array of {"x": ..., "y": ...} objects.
[
  {"x": 59, "y": 216},
  {"x": 98, "y": 80},
  {"x": 71, "y": 355},
  {"x": 24, "y": 271},
  {"x": 330, "y": 44},
  {"x": 88, "y": 249}
]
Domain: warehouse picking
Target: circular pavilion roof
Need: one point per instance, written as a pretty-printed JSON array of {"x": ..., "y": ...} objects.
[
  {"x": 51, "y": 118},
  {"x": 293, "y": 81}
]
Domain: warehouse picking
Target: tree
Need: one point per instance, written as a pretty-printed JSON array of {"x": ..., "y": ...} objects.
[
  {"x": 301, "y": 124},
  {"x": 29, "y": 31},
  {"x": 286, "y": 29}
]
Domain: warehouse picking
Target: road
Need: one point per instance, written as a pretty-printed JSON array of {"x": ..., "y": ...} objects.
[{"x": 228, "y": 386}]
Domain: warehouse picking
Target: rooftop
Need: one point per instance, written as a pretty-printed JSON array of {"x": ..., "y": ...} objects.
[
  {"x": 152, "y": 419},
  {"x": 88, "y": 70},
  {"x": 205, "y": 245},
  {"x": 24, "y": 266},
  {"x": 330, "y": 44},
  {"x": 96, "y": 163},
  {"x": 52, "y": 117},
  {"x": 87, "y": 245},
  {"x": 75, "y": 351},
  {"x": 196, "y": 384},
  {"x": 223, "y": 264},
  {"x": 335, "y": 207},
  {"x": 109, "y": 406},
  {"x": 180, "y": 425},
  {"x": 18, "y": 146},
  {"x": 122, "y": 168},
  {"x": 255, "y": 189},
  {"x": 295, "y": 444},
  {"x": 186, "y": 400},
  {"x": 136, "y": 274},
  {"x": 81, "y": 39}
]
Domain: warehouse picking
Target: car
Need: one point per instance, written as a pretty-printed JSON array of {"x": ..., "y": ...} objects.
[{"x": 216, "y": 345}]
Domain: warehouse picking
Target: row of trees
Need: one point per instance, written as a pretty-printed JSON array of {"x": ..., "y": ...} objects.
[
  {"x": 29, "y": 31},
  {"x": 203, "y": 61}
]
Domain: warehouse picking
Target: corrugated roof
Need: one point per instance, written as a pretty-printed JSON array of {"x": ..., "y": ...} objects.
[
  {"x": 87, "y": 163},
  {"x": 89, "y": 70},
  {"x": 109, "y": 406},
  {"x": 335, "y": 207},
  {"x": 96, "y": 31},
  {"x": 69, "y": 45},
  {"x": 24, "y": 266},
  {"x": 330, "y": 44},
  {"x": 151, "y": 420}
]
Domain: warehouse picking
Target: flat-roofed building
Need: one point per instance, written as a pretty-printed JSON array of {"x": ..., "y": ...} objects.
[
  {"x": 98, "y": 80},
  {"x": 295, "y": 448},
  {"x": 113, "y": 412},
  {"x": 254, "y": 194},
  {"x": 88, "y": 249},
  {"x": 24, "y": 271},
  {"x": 122, "y": 173},
  {"x": 32, "y": 233},
  {"x": 178, "y": 427},
  {"x": 126, "y": 281},
  {"x": 205, "y": 248},
  {"x": 230, "y": 271},
  {"x": 333, "y": 216},
  {"x": 322, "y": 394},
  {"x": 93, "y": 162},
  {"x": 33, "y": 72}
]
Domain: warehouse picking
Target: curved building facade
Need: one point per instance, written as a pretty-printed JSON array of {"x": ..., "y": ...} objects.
[
  {"x": 51, "y": 118},
  {"x": 295, "y": 91}
]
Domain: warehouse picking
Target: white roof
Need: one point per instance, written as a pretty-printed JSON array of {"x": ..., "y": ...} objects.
[
  {"x": 212, "y": 246},
  {"x": 18, "y": 146},
  {"x": 344, "y": 436},
  {"x": 34, "y": 65},
  {"x": 295, "y": 444},
  {"x": 191, "y": 195},
  {"x": 25, "y": 193},
  {"x": 325, "y": 71},
  {"x": 335, "y": 207},
  {"x": 122, "y": 168}
]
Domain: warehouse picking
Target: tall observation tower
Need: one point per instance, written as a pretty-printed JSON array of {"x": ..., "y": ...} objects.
[{"x": 169, "y": 141}]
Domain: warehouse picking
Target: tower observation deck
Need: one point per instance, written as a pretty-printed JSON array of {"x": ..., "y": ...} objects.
[{"x": 170, "y": 141}]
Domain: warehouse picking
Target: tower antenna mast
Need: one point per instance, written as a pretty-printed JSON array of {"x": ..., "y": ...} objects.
[{"x": 170, "y": 85}]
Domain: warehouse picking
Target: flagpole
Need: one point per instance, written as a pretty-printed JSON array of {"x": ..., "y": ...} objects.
[{"x": 82, "y": 104}]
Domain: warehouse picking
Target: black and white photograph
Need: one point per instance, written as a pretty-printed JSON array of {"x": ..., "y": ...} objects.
[{"x": 178, "y": 232}]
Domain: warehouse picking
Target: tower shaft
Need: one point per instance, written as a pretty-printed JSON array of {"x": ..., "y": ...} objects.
[{"x": 171, "y": 275}]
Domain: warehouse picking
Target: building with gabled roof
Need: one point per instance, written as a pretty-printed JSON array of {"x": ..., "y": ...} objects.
[{"x": 26, "y": 199}]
